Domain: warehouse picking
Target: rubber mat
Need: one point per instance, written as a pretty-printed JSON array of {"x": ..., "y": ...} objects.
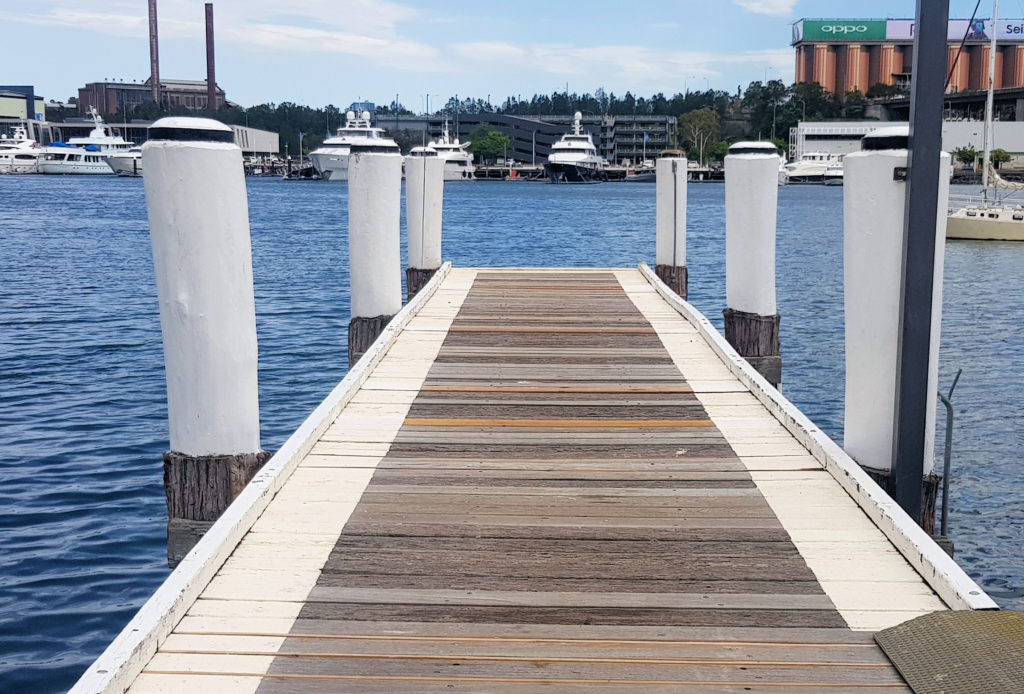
[{"x": 959, "y": 652}]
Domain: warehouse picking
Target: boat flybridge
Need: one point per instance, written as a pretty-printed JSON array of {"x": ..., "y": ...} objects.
[
  {"x": 331, "y": 159},
  {"x": 19, "y": 153},
  {"x": 574, "y": 158},
  {"x": 84, "y": 155}
]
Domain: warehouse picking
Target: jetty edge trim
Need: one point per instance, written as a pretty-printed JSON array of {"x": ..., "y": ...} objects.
[
  {"x": 126, "y": 656},
  {"x": 939, "y": 571}
]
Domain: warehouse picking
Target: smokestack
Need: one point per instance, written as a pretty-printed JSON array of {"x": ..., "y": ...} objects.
[
  {"x": 211, "y": 81},
  {"x": 154, "y": 54}
]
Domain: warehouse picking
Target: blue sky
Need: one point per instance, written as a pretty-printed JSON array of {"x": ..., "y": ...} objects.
[{"x": 317, "y": 52}]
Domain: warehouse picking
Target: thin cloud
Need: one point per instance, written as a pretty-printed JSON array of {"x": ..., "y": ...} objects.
[
  {"x": 774, "y": 8},
  {"x": 638, "y": 66},
  {"x": 400, "y": 53},
  {"x": 310, "y": 26}
]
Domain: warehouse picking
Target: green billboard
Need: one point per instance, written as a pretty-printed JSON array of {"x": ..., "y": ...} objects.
[{"x": 844, "y": 30}]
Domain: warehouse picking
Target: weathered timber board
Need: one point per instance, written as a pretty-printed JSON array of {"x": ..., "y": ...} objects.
[{"x": 558, "y": 512}]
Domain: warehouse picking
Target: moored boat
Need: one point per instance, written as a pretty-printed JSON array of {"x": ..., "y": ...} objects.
[
  {"x": 458, "y": 163},
  {"x": 331, "y": 158},
  {"x": 84, "y": 155},
  {"x": 19, "y": 154},
  {"x": 812, "y": 167},
  {"x": 574, "y": 158},
  {"x": 991, "y": 218},
  {"x": 126, "y": 163}
]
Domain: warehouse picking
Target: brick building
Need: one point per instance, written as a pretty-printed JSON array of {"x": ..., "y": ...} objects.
[
  {"x": 847, "y": 54},
  {"x": 111, "y": 98}
]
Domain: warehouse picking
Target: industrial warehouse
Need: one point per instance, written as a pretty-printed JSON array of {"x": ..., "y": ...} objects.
[{"x": 845, "y": 55}]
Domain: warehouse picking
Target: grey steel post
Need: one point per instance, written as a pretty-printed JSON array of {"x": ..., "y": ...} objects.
[{"x": 912, "y": 394}]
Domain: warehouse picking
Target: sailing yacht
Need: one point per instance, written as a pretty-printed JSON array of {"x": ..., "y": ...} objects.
[
  {"x": 574, "y": 158},
  {"x": 19, "y": 154},
  {"x": 331, "y": 159},
  {"x": 84, "y": 155},
  {"x": 992, "y": 219}
]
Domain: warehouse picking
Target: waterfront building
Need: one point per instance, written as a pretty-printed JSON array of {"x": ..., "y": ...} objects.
[
  {"x": 843, "y": 137},
  {"x": 20, "y": 101},
  {"x": 111, "y": 98},
  {"x": 844, "y": 55},
  {"x": 252, "y": 141},
  {"x": 617, "y": 138}
]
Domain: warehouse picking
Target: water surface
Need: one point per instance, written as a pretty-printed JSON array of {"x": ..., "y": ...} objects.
[{"x": 83, "y": 419}]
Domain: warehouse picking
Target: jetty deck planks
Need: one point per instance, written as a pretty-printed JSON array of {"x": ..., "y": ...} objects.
[{"x": 550, "y": 481}]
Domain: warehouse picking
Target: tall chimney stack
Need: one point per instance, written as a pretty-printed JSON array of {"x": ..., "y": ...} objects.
[
  {"x": 154, "y": 54},
  {"x": 211, "y": 81}
]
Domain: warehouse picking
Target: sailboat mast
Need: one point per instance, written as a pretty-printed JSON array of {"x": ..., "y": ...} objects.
[{"x": 986, "y": 160}]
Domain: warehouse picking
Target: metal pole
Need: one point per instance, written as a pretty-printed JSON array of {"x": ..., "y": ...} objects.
[
  {"x": 912, "y": 393},
  {"x": 986, "y": 160},
  {"x": 211, "y": 78},
  {"x": 154, "y": 53},
  {"x": 947, "y": 400}
]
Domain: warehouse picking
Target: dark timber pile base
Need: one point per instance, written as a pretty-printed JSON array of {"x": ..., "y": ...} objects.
[
  {"x": 558, "y": 513},
  {"x": 675, "y": 276},
  {"x": 198, "y": 490},
  {"x": 362, "y": 332},
  {"x": 415, "y": 280},
  {"x": 756, "y": 339}
]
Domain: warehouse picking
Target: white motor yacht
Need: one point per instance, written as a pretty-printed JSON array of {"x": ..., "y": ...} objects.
[
  {"x": 126, "y": 163},
  {"x": 811, "y": 167},
  {"x": 574, "y": 158},
  {"x": 84, "y": 155},
  {"x": 458, "y": 163},
  {"x": 331, "y": 159},
  {"x": 19, "y": 154}
]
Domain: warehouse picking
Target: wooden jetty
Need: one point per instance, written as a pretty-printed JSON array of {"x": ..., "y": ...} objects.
[{"x": 543, "y": 479}]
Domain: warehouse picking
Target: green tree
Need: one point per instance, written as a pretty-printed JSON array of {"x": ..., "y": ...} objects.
[
  {"x": 999, "y": 157},
  {"x": 717, "y": 151},
  {"x": 699, "y": 129},
  {"x": 488, "y": 144},
  {"x": 966, "y": 155}
]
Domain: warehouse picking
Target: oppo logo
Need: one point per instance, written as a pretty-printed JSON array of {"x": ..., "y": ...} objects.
[{"x": 844, "y": 29}]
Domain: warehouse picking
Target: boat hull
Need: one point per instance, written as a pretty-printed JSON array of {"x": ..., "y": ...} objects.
[
  {"x": 456, "y": 172},
  {"x": 76, "y": 168},
  {"x": 573, "y": 173},
  {"x": 985, "y": 228},
  {"x": 125, "y": 166},
  {"x": 19, "y": 164},
  {"x": 332, "y": 167},
  {"x": 644, "y": 177}
]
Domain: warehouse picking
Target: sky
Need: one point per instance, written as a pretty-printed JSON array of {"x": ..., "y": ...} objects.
[{"x": 319, "y": 52}]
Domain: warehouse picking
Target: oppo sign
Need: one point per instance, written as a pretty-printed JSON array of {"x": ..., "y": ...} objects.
[
  {"x": 844, "y": 30},
  {"x": 855, "y": 30}
]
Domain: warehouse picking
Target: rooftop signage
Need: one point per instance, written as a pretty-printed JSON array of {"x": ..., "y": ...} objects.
[{"x": 858, "y": 30}]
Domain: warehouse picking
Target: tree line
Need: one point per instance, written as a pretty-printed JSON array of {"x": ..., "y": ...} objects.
[{"x": 708, "y": 120}]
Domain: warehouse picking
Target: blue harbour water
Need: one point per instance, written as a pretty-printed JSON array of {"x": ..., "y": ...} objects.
[{"x": 82, "y": 398}]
